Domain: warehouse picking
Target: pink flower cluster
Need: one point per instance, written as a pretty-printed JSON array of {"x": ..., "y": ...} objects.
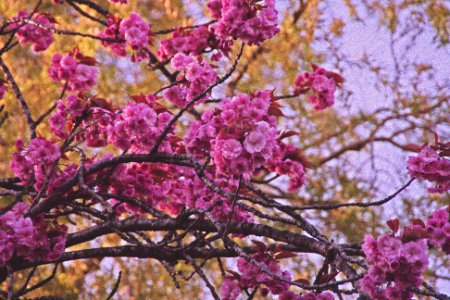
[
  {"x": 139, "y": 181},
  {"x": 77, "y": 70},
  {"x": 73, "y": 108},
  {"x": 112, "y": 31},
  {"x": 169, "y": 188},
  {"x": 323, "y": 85},
  {"x": 96, "y": 126},
  {"x": 41, "y": 38},
  {"x": 133, "y": 31},
  {"x": 251, "y": 276},
  {"x": 394, "y": 267},
  {"x": 185, "y": 41},
  {"x": 137, "y": 127},
  {"x": 30, "y": 239},
  {"x": 241, "y": 135},
  {"x": 396, "y": 262},
  {"x": 197, "y": 77},
  {"x": 119, "y": 1},
  {"x": 249, "y": 21},
  {"x": 430, "y": 166},
  {"x": 291, "y": 165},
  {"x": 32, "y": 164},
  {"x": 241, "y": 138},
  {"x": 438, "y": 228}
]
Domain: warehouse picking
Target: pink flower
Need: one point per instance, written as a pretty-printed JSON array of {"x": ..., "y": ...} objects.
[
  {"x": 231, "y": 149},
  {"x": 180, "y": 61},
  {"x": 254, "y": 142},
  {"x": 112, "y": 32},
  {"x": 135, "y": 127},
  {"x": 394, "y": 266},
  {"x": 176, "y": 95},
  {"x": 185, "y": 42},
  {"x": 80, "y": 76},
  {"x": 74, "y": 106},
  {"x": 57, "y": 123},
  {"x": 430, "y": 166},
  {"x": 41, "y": 152},
  {"x": 229, "y": 289},
  {"x": 85, "y": 77},
  {"x": 389, "y": 247},
  {"x": 135, "y": 31},
  {"x": 40, "y": 37},
  {"x": 28, "y": 238},
  {"x": 244, "y": 20},
  {"x": 321, "y": 83}
]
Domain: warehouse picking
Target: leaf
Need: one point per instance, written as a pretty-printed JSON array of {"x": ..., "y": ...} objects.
[
  {"x": 49, "y": 17},
  {"x": 337, "y": 78},
  {"x": 275, "y": 109},
  {"x": 286, "y": 134},
  {"x": 328, "y": 277},
  {"x": 302, "y": 280},
  {"x": 298, "y": 156},
  {"x": 394, "y": 225},
  {"x": 101, "y": 103},
  {"x": 86, "y": 60},
  {"x": 234, "y": 274},
  {"x": 285, "y": 254},
  {"x": 260, "y": 246},
  {"x": 436, "y": 138},
  {"x": 413, "y": 147},
  {"x": 418, "y": 222},
  {"x": 410, "y": 234},
  {"x": 138, "y": 98}
]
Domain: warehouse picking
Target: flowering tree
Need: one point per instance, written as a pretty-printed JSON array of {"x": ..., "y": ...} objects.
[{"x": 191, "y": 173}]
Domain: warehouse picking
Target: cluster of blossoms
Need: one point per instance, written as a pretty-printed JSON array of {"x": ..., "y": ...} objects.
[
  {"x": 197, "y": 77},
  {"x": 97, "y": 116},
  {"x": 396, "y": 263},
  {"x": 77, "y": 70},
  {"x": 119, "y": 1},
  {"x": 32, "y": 164},
  {"x": 30, "y": 239},
  {"x": 249, "y": 21},
  {"x": 166, "y": 187},
  {"x": 141, "y": 181},
  {"x": 185, "y": 41},
  {"x": 137, "y": 127},
  {"x": 40, "y": 152},
  {"x": 40, "y": 37},
  {"x": 73, "y": 108},
  {"x": 323, "y": 85},
  {"x": 241, "y": 137},
  {"x": 96, "y": 124},
  {"x": 251, "y": 276},
  {"x": 394, "y": 267},
  {"x": 438, "y": 228},
  {"x": 134, "y": 31},
  {"x": 428, "y": 165}
]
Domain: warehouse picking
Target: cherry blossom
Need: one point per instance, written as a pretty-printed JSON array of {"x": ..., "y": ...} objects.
[{"x": 40, "y": 37}]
